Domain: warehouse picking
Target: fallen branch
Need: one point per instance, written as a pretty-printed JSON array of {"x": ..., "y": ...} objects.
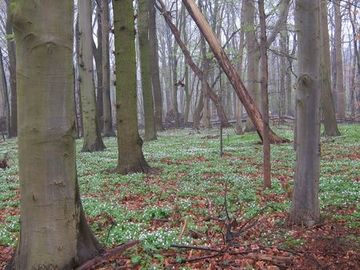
[
  {"x": 198, "y": 258},
  {"x": 99, "y": 260},
  {"x": 197, "y": 248}
]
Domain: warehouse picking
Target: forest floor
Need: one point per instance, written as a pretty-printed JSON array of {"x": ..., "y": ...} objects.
[{"x": 198, "y": 210}]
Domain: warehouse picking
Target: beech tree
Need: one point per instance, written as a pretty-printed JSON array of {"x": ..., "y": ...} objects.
[
  {"x": 145, "y": 67},
  {"x": 131, "y": 158},
  {"x": 53, "y": 233},
  {"x": 155, "y": 73},
  {"x": 305, "y": 206},
  {"x": 107, "y": 115},
  {"x": 327, "y": 101},
  {"x": 92, "y": 136}
]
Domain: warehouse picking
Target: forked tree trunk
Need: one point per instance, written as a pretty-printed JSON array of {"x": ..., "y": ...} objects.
[
  {"x": 131, "y": 158},
  {"x": 327, "y": 101},
  {"x": 145, "y": 67},
  {"x": 107, "y": 116},
  {"x": 54, "y": 233},
  {"x": 230, "y": 71},
  {"x": 92, "y": 136},
  {"x": 305, "y": 206}
]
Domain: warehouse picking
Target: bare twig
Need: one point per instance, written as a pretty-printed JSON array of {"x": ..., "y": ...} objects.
[{"x": 197, "y": 248}]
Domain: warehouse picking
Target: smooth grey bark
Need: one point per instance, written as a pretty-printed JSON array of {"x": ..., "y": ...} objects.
[
  {"x": 98, "y": 56},
  {"x": 145, "y": 67},
  {"x": 53, "y": 230},
  {"x": 252, "y": 74},
  {"x": 92, "y": 135},
  {"x": 265, "y": 96},
  {"x": 130, "y": 155},
  {"x": 327, "y": 101},
  {"x": 239, "y": 129},
  {"x": 340, "y": 90},
  {"x": 155, "y": 74},
  {"x": 305, "y": 204},
  {"x": 108, "y": 129}
]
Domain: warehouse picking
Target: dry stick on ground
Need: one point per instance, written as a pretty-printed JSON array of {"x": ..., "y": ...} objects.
[
  {"x": 230, "y": 71},
  {"x": 277, "y": 260},
  {"x": 97, "y": 261}
]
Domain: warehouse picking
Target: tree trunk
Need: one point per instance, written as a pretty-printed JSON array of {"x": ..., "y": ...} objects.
[
  {"x": 145, "y": 67},
  {"x": 12, "y": 71},
  {"x": 131, "y": 158},
  {"x": 92, "y": 136},
  {"x": 107, "y": 116},
  {"x": 327, "y": 101},
  {"x": 230, "y": 71},
  {"x": 198, "y": 72},
  {"x": 305, "y": 206},
  {"x": 340, "y": 90},
  {"x": 238, "y": 111},
  {"x": 264, "y": 96},
  {"x": 54, "y": 233},
  {"x": 283, "y": 71},
  {"x": 155, "y": 74},
  {"x": 205, "y": 120},
  {"x": 252, "y": 57},
  {"x": 98, "y": 55}
]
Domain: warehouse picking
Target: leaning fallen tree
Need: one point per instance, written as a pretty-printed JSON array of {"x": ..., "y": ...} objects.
[
  {"x": 230, "y": 71},
  {"x": 198, "y": 72}
]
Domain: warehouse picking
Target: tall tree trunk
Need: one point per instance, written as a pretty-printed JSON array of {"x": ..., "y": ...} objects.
[
  {"x": 230, "y": 71},
  {"x": 145, "y": 67},
  {"x": 238, "y": 113},
  {"x": 305, "y": 206},
  {"x": 283, "y": 71},
  {"x": 155, "y": 74},
  {"x": 252, "y": 56},
  {"x": 107, "y": 115},
  {"x": 205, "y": 120},
  {"x": 77, "y": 94},
  {"x": 340, "y": 90},
  {"x": 264, "y": 96},
  {"x": 54, "y": 233},
  {"x": 289, "y": 87},
  {"x": 356, "y": 45},
  {"x": 92, "y": 136},
  {"x": 131, "y": 158},
  {"x": 98, "y": 55},
  {"x": 327, "y": 101},
  {"x": 12, "y": 71}
]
